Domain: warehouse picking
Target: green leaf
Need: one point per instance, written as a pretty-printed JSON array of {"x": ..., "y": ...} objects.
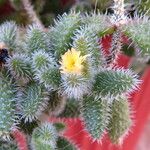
[
  {"x": 143, "y": 7},
  {"x": 64, "y": 144},
  {"x": 56, "y": 103},
  {"x": 74, "y": 85},
  {"x": 120, "y": 121},
  {"x": 98, "y": 23},
  {"x": 72, "y": 109},
  {"x": 7, "y": 110},
  {"x": 128, "y": 50},
  {"x": 8, "y": 146},
  {"x": 82, "y": 7},
  {"x": 44, "y": 137},
  {"x": 86, "y": 38},
  {"x": 139, "y": 30},
  {"x": 60, "y": 126},
  {"x": 41, "y": 59},
  {"x": 32, "y": 101},
  {"x": 36, "y": 39},
  {"x": 62, "y": 32},
  {"x": 86, "y": 41},
  {"x": 20, "y": 67},
  {"x": 8, "y": 33},
  {"x": 50, "y": 77},
  {"x": 113, "y": 82},
  {"x": 95, "y": 114}
]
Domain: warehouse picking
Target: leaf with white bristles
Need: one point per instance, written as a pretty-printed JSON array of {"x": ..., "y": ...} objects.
[
  {"x": 32, "y": 101},
  {"x": 41, "y": 59},
  {"x": 139, "y": 32},
  {"x": 96, "y": 115},
  {"x": 60, "y": 35},
  {"x": 36, "y": 39},
  {"x": 44, "y": 137},
  {"x": 8, "y": 117},
  {"x": 8, "y": 34},
  {"x": 49, "y": 77},
  {"x": 20, "y": 67},
  {"x": 8, "y": 146},
  {"x": 120, "y": 122},
  {"x": 75, "y": 86},
  {"x": 86, "y": 41},
  {"x": 113, "y": 82}
]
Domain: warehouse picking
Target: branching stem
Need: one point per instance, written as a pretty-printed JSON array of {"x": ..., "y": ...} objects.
[{"x": 31, "y": 13}]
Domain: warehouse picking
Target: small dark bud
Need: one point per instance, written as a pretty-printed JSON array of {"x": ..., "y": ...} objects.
[{"x": 3, "y": 55}]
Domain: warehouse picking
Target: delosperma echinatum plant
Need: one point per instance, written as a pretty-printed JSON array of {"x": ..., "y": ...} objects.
[{"x": 47, "y": 71}]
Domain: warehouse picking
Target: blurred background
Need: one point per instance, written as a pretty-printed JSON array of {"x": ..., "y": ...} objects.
[{"x": 47, "y": 10}]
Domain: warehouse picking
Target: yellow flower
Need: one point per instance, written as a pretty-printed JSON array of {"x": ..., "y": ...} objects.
[{"x": 72, "y": 62}]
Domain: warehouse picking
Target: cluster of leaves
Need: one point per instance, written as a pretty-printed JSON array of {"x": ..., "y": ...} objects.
[{"x": 32, "y": 84}]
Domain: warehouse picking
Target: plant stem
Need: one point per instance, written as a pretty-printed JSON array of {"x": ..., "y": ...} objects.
[{"x": 31, "y": 13}]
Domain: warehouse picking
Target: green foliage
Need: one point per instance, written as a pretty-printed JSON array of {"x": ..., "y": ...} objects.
[
  {"x": 86, "y": 41},
  {"x": 50, "y": 77},
  {"x": 46, "y": 70},
  {"x": 20, "y": 67},
  {"x": 32, "y": 101},
  {"x": 139, "y": 30},
  {"x": 75, "y": 86},
  {"x": 44, "y": 89},
  {"x": 102, "y": 5},
  {"x": 59, "y": 126},
  {"x": 72, "y": 109},
  {"x": 129, "y": 51},
  {"x": 8, "y": 146},
  {"x": 36, "y": 39},
  {"x": 64, "y": 144},
  {"x": 62, "y": 32},
  {"x": 44, "y": 137},
  {"x": 56, "y": 103},
  {"x": 143, "y": 7},
  {"x": 16, "y": 4},
  {"x": 97, "y": 22},
  {"x": 7, "y": 110},
  {"x": 41, "y": 59},
  {"x": 1, "y": 2},
  {"x": 120, "y": 121},
  {"x": 113, "y": 82},
  {"x": 8, "y": 34},
  {"x": 96, "y": 115},
  {"x": 87, "y": 37}
]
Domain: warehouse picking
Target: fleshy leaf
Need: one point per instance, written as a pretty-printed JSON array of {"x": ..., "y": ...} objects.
[
  {"x": 113, "y": 82},
  {"x": 8, "y": 33},
  {"x": 120, "y": 121},
  {"x": 8, "y": 118},
  {"x": 62, "y": 32},
  {"x": 32, "y": 101},
  {"x": 44, "y": 137},
  {"x": 96, "y": 115}
]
